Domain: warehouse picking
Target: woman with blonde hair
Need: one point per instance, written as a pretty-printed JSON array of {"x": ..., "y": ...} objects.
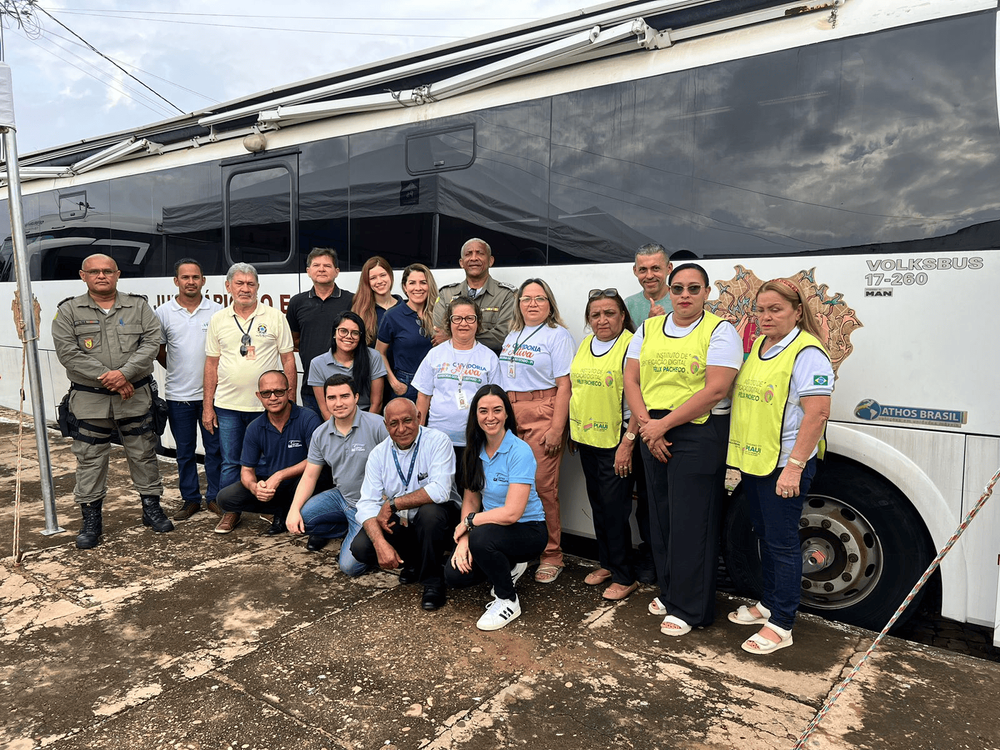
[
  {"x": 404, "y": 337},
  {"x": 374, "y": 296},
  {"x": 534, "y": 370},
  {"x": 780, "y": 407}
]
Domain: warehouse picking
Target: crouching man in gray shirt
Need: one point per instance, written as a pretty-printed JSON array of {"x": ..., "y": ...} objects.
[{"x": 343, "y": 443}]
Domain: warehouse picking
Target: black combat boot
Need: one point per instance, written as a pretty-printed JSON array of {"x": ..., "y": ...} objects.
[
  {"x": 152, "y": 514},
  {"x": 90, "y": 533}
]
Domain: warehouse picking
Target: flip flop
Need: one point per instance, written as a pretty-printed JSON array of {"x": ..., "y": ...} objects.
[
  {"x": 758, "y": 644},
  {"x": 547, "y": 573},
  {"x": 743, "y": 616},
  {"x": 682, "y": 627}
]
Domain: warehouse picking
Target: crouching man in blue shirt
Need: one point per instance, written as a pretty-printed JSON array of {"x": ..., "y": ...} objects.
[
  {"x": 342, "y": 443},
  {"x": 409, "y": 504},
  {"x": 273, "y": 458}
]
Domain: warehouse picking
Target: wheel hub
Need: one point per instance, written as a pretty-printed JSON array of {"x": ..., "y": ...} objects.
[{"x": 841, "y": 554}]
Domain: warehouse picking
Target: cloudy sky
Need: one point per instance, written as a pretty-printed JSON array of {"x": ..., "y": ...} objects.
[{"x": 195, "y": 54}]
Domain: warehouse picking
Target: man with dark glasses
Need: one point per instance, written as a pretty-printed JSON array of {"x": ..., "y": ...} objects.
[
  {"x": 244, "y": 340},
  {"x": 272, "y": 458}
]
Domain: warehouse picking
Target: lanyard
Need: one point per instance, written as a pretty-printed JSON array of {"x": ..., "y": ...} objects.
[
  {"x": 249, "y": 325},
  {"x": 413, "y": 462},
  {"x": 518, "y": 343}
]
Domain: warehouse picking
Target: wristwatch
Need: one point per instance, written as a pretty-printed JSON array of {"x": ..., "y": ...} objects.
[
  {"x": 392, "y": 505},
  {"x": 468, "y": 521},
  {"x": 796, "y": 462},
  {"x": 630, "y": 436}
]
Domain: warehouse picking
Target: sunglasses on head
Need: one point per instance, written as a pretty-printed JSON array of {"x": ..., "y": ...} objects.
[{"x": 609, "y": 292}]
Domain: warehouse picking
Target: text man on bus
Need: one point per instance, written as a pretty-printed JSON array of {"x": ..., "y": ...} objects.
[
  {"x": 495, "y": 299},
  {"x": 107, "y": 342}
]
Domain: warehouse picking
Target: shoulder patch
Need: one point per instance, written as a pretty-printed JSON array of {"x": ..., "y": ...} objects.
[
  {"x": 450, "y": 286},
  {"x": 507, "y": 286},
  {"x": 64, "y": 301},
  {"x": 143, "y": 297}
]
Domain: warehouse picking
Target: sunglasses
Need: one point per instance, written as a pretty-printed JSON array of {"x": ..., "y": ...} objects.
[
  {"x": 244, "y": 344},
  {"x": 691, "y": 288},
  {"x": 277, "y": 392},
  {"x": 609, "y": 292}
]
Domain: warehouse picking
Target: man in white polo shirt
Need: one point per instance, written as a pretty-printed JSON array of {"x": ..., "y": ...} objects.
[
  {"x": 244, "y": 341},
  {"x": 183, "y": 324}
]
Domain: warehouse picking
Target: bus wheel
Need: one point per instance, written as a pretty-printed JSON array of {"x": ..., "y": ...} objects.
[{"x": 863, "y": 547}]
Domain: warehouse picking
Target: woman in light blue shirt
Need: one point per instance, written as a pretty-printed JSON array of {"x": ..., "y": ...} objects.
[{"x": 503, "y": 523}]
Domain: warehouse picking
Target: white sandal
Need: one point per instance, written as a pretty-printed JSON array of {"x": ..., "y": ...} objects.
[
  {"x": 743, "y": 616},
  {"x": 656, "y": 608},
  {"x": 682, "y": 627},
  {"x": 758, "y": 644}
]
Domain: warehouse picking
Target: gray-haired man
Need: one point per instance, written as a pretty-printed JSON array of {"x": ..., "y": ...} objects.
[{"x": 244, "y": 341}]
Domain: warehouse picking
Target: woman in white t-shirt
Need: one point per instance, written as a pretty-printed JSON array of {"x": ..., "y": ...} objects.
[
  {"x": 678, "y": 372},
  {"x": 534, "y": 370},
  {"x": 451, "y": 374}
]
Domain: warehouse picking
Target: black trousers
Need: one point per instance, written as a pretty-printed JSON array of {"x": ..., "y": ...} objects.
[
  {"x": 685, "y": 512},
  {"x": 238, "y": 499},
  {"x": 423, "y": 544},
  {"x": 495, "y": 549},
  {"x": 611, "y": 502}
]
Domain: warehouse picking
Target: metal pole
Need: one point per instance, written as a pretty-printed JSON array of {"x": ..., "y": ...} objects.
[{"x": 27, "y": 301}]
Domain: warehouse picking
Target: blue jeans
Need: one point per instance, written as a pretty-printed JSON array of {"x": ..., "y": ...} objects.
[
  {"x": 776, "y": 523},
  {"x": 329, "y": 515},
  {"x": 232, "y": 427},
  {"x": 185, "y": 421}
]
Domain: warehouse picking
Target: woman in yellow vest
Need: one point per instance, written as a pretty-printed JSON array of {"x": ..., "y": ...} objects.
[
  {"x": 780, "y": 407},
  {"x": 678, "y": 372},
  {"x": 600, "y": 427}
]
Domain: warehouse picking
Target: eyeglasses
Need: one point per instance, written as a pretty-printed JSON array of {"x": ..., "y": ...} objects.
[
  {"x": 538, "y": 300},
  {"x": 609, "y": 292},
  {"x": 101, "y": 272},
  {"x": 244, "y": 344},
  {"x": 347, "y": 333},
  {"x": 691, "y": 288},
  {"x": 276, "y": 392},
  {"x": 456, "y": 319}
]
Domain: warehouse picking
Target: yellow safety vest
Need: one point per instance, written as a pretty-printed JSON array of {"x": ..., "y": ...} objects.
[
  {"x": 595, "y": 407},
  {"x": 759, "y": 402},
  {"x": 672, "y": 370}
]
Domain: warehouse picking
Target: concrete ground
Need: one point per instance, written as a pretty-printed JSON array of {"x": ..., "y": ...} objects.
[{"x": 197, "y": 640}]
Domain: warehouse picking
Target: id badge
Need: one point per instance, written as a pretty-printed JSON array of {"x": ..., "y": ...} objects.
[
  {"x": 460, "y": 399},
  {"x": 511, "y": 370}
]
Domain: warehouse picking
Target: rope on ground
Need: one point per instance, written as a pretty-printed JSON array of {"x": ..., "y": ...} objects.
[
  {"x": 803, "y": 739},
  {"x": 23, "y": 334}
]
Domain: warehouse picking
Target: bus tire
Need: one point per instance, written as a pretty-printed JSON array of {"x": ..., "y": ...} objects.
[{"x": 870, "y": 541}]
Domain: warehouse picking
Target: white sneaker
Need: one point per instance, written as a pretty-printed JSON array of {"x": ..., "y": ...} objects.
[
  {"x": 515, "y": 575},
  {"x": 500, "y": 612}
]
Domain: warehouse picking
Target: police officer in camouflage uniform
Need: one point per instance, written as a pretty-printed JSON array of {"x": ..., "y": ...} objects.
[
  {"x": 495, "y": 299},
  {"x": 107, "y": 342}
]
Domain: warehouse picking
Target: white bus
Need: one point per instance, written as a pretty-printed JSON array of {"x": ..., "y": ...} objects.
[{"x": 853, "y": 144}]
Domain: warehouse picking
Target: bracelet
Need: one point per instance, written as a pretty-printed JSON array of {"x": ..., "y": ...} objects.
[{"x": 796, "y": 462}]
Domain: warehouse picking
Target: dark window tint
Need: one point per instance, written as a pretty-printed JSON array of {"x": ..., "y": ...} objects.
[
  {"x": 877, "y": 140},
  {"x": 441, "y": 151},
  {"x": 187, "y": 210},
  {"x": 58, "y": 246},
  {"x": 260, "y": 203},
  {"x": 323, "y": 184}
]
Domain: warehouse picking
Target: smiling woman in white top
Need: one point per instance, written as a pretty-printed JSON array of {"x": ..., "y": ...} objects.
[
  {"x": 534, "y": 370},
  {"x": 451, "y": 373}
]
